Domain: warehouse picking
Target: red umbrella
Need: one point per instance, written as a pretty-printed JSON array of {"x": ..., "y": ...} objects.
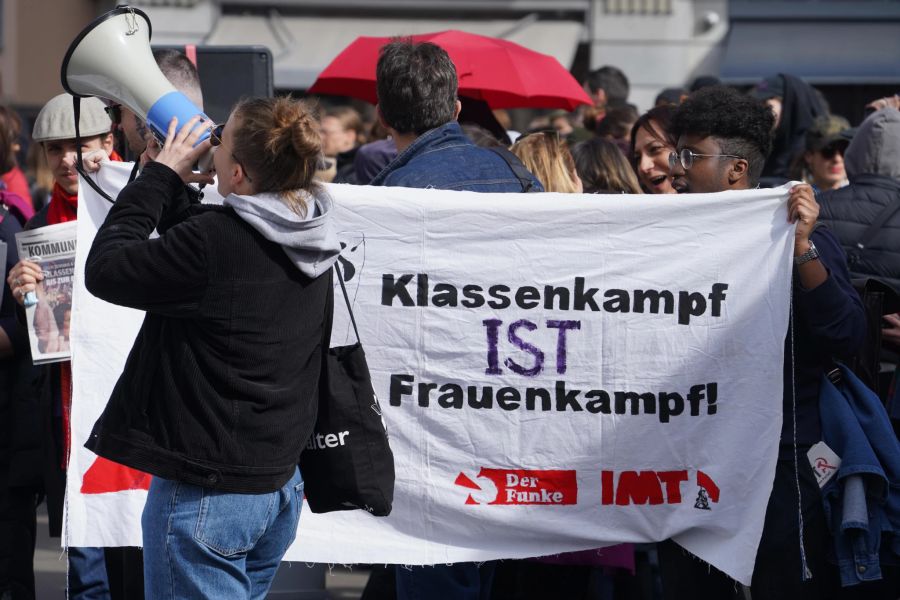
[{"x": 502, "y": 73}]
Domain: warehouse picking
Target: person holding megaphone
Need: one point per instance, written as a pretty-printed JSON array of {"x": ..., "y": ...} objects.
[
  {"x": 182, "y": 74},
  {"x": 218, "y": 393}
]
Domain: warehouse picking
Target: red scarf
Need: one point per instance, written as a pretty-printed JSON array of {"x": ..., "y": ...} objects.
[{"x": 63, "y": 208}]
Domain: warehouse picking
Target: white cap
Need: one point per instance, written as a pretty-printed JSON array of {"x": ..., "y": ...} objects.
[{"x": 56, "y": 121}]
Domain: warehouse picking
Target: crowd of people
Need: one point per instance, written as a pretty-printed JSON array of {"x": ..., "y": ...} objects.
[{"x": 258, "y": 242}]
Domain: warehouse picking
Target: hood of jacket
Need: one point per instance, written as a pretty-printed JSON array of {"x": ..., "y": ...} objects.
[
  {"x": 800, "y": 106},
  {"x": 875, "y": 149},
  {"x": 309, "y": 241}
]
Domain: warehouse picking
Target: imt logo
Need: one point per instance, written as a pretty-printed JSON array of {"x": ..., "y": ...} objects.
[
  {"x": 520, "y": 486},
  {"x": 656, "y": 487}
]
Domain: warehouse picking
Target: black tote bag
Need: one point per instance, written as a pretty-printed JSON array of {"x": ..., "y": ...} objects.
[{"x": 347, "y": 463}]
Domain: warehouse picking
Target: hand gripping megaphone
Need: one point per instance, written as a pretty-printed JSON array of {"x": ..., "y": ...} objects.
[{"x": 111, "y": 58}]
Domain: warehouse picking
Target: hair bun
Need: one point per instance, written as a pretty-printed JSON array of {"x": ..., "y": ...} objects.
[
  {"x": 278, "y": 141},
  {"x": 293, "y": 129}
]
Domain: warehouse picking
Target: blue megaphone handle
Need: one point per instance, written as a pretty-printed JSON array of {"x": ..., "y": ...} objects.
[{"x": 173, "y": 104}]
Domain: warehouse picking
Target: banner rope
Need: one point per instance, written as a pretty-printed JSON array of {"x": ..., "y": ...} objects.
[
  {"x": 67, "y": 453},
  {"x": 805, "y": 574}
]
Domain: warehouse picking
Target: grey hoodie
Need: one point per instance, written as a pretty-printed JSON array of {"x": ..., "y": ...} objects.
[
  {"x": 875, "y": 149},
  {"x": 310, "y": 242}
]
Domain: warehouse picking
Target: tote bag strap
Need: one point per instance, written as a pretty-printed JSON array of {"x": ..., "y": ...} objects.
[{"x": 347, "y": 300}]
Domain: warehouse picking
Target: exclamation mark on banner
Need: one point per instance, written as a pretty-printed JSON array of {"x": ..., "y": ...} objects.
[{"x": 711, "y": 393}]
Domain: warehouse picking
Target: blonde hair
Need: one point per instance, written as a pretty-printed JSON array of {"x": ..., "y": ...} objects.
[
  {"x": 277, "y": 141},
  {"x": 548, "y": 158}
]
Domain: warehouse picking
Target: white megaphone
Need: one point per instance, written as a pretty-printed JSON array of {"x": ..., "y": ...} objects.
[{"x": 111, "y": 58}]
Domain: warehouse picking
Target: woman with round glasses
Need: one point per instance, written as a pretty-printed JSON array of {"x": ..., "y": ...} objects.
[
  {"x": 218, "y": 395},
  {"x": 651, "y": 144}
]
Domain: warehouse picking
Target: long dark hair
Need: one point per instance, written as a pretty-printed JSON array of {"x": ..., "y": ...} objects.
[
  {"x": 603, "y": 169},
  {"x": 662, "y": 116}
]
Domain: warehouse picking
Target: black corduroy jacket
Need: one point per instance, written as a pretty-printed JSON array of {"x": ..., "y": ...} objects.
[{"x": 220, "y": 387}]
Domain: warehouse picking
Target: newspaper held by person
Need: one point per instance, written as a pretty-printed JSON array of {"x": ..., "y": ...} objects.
[{"x": 53, "y": 248}]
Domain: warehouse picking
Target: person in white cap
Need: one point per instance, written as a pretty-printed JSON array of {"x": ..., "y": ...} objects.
[{"x": 54, "y": 129}]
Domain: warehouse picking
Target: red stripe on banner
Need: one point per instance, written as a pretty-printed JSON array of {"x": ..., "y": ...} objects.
[
  {"x": 190, "y": 50},
  {"x": 105, "y": 476}
]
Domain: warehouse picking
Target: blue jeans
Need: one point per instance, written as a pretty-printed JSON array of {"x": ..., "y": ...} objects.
[
  {"x": 204, "y": 543},
  {"x": 87, "y": 574}
]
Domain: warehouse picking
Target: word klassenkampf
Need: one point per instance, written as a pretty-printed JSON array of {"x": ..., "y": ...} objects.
[{"x": 399, "y": 290}]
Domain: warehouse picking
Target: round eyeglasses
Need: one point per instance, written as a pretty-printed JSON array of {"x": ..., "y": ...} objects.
[{"x": 686, "y": 157}]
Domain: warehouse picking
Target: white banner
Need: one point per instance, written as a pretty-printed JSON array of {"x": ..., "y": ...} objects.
[{"x": 557, "y": 372}]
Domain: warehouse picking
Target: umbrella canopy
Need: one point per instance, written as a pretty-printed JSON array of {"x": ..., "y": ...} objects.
[{"x": 502, "y": 73}]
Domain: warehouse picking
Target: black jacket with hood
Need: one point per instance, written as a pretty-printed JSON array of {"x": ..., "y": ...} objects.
[
  {"x": 873, "y": 168},
  {"x": 219, "y": 389},
  {"x": 800, "y": 105}
]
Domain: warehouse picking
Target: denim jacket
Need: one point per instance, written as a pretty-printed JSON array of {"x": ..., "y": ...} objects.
[
  {"x": 444, "y": 158},
  {"x": 862, "y": 501}
]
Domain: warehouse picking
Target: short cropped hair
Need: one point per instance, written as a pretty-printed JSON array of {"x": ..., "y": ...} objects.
[
  {"x": 612, "y": 81},
  {"x": 416, "y": 85},
  {"x": 181, "y": 73},
  {"x": 741, "y": 124}
]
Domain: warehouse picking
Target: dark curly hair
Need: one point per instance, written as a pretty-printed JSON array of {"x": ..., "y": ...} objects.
[
  {"x": 416, "y": 85},
  {"x": 741, "y": 124}
]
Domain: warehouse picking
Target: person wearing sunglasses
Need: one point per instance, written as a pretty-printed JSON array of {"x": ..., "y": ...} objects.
[
  {"x": 822, "y": 162},
  {"x": 182, "y": 74},
  {"x": 723, "y": 140},
  {"x": 219, "y": 393}
]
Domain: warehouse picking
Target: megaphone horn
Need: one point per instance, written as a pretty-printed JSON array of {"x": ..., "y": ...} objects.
[{"x": 111, "y": 58}]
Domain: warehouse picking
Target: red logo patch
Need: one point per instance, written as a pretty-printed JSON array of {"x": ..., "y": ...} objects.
[
  {"x": 520, "y": 486},
  {"x": 655, "y": 487}
]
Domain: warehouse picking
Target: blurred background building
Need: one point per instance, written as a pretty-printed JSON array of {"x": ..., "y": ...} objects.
[{"x": 850, "y": 49}]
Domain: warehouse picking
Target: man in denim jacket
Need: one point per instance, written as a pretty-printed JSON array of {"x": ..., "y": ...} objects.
[{"x": 417, "y": 103}]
